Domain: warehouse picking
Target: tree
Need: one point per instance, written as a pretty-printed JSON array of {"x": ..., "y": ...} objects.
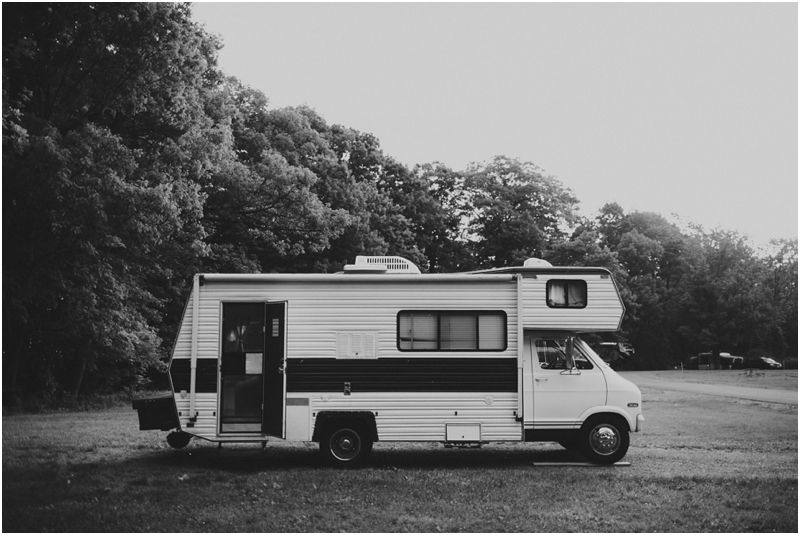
[
  {"x": 781, "y": 290},
  {"x": 102, "y": 106},
  {"x": 432, "y": 197},
  {"x": 728, "y": 307},
  {"x": 514, "y": 211},
  {"x": 262, "y": 212}
]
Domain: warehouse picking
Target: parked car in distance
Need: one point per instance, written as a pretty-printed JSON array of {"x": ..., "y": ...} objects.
[
  {"x": 705, "y": 361},
  {"x": 763, "y": 363}
]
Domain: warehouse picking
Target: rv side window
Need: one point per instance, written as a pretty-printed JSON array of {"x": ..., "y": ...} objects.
[
  {"x": 566, "y": 293},
  {"x": 424, "y": 330}
]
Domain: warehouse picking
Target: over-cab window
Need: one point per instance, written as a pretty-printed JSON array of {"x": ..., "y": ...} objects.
[
  {"x": 566, "y": 293},
  {"x": 426, "y": 330}
]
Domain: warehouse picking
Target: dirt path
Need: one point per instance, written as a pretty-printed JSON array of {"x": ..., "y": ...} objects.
[{"x": 769, "y": 395}]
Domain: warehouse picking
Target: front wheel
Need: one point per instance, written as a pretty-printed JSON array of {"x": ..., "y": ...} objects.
[
  {"x": 604, "y": 440},
  {"x": 345, "y": 446}
]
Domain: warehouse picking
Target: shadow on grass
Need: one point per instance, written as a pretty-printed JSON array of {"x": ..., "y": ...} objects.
[{"x": 385, "y": 456}]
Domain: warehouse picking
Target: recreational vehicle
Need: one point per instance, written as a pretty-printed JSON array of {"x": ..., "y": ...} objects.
[{"x": 381, "y": 352}]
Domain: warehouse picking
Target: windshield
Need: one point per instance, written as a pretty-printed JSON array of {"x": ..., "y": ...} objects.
[{"x": 591, "y": 353}]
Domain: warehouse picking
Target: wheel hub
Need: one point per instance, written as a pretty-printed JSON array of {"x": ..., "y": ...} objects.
[{"x": 605, "y": 439}]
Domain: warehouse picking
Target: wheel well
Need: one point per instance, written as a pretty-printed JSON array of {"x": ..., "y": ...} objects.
[
  {"x": 609, "y": 416},
  {"x": 328, "y": 420}
]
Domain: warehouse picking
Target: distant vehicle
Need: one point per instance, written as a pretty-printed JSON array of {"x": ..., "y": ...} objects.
[
  {"x": 763, "y": 363},
  {"x": 729, "y": 362},
  {"x": 705, "y": 361}
]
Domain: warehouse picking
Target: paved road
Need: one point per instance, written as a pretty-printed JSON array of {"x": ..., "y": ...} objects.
[{"x": 770, "y": 395}]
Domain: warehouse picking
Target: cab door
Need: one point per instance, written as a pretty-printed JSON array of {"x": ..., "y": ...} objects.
[{"x": 561, "y": 393}]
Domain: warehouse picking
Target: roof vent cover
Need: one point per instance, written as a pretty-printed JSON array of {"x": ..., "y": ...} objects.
[
  {"x": 382, "y": 264},
  {"x": 537, "y": 262}
]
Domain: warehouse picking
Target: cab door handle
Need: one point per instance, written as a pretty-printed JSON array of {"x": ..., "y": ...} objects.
[{"x": 541, "y": 379}]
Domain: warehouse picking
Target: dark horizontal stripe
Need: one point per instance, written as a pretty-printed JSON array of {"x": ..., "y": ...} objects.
[
  {"x": 402, "y": 375},
  {"x": 205, "y": 377}
]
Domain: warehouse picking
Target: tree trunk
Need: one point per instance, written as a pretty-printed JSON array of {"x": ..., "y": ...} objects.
[{"x": 82, "y": 355}]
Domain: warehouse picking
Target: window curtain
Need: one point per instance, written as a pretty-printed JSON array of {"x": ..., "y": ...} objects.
[
  {"x": 491, "y": 331},
  {"x": 459, "y": 331},
  {"x": 558, "y": 293},
  {"x": 418, "y": 331},
  {"x": 577, "y": 294}
]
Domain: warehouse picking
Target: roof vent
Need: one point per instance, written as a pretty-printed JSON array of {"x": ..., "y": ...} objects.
[
  {"x": 382, "y": 264},
  {"x": 537, "y": 262}
]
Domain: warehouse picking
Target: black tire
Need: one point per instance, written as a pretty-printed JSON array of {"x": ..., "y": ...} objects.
[
  {"x": 604, "y": 439},
  {"x": 345, "y": 445},
  {"x": 178, "y": 439}
]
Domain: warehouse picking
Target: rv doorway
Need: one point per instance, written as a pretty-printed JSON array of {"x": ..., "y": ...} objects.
[{"x": 251, "y": 369}]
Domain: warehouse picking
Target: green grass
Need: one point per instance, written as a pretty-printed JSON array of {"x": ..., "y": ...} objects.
[
  {"x": 780, "y": 379},
  {"x": 702, "y": 464}
]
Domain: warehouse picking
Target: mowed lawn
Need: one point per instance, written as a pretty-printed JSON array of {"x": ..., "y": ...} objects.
[{"x": 702, "y": 464}]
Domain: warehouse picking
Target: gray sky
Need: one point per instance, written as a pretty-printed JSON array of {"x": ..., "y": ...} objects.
[{"x": 687, "y": 109}]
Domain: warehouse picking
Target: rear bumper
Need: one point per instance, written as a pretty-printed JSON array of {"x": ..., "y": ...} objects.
[
  {"x": 639, "y": 422},
  {"x": 157, "y": 412}
]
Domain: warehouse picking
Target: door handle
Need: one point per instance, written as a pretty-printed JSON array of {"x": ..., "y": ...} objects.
[{"x": 541, "y": 379}]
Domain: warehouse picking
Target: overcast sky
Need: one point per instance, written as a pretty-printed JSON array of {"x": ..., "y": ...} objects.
[{"x": 687, "y": 109}]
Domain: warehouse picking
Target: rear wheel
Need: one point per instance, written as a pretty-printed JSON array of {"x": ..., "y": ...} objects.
[
  {"x": 604, "y": 439},
  {"x": 345, "y": 445}
]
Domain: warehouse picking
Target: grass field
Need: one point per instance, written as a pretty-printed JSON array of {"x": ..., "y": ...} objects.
[
  {"x": 703, "y": 464},
  {"x": 780, "y": 379}
]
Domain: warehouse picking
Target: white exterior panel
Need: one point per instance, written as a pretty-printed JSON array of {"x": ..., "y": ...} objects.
[
  {"x": 320, "y": 308},
  {"x": 603, "y": 312}
]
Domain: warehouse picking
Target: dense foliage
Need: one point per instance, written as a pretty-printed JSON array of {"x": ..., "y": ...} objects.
[{"x": 130, "y": 162}]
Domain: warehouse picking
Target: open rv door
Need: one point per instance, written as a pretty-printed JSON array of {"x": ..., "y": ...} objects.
[
  {"x": 251, "y": 369},
  {"x": 274, "y": 371}
]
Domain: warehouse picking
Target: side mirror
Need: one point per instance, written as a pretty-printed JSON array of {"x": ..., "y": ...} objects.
[
  {"x": 570, "y": 357},
  {"x": 572, "y": 369}
]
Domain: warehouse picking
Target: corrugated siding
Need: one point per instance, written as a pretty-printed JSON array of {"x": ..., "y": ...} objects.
[
  {"x": 206, "y": 408},
  {"x": 423, "y": 417},
  {"x": 317, "y": 311},
  {"x": 603, "y": 311}
]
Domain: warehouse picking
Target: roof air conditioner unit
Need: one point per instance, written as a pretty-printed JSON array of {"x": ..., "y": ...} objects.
[{"x": 382, "y": 264}]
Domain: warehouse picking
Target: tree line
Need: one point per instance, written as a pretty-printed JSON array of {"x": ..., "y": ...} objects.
[{"x": 131, "y": 162}]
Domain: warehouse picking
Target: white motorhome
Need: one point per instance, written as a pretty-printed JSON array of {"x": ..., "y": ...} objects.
[{"x": 381, "y": 352}]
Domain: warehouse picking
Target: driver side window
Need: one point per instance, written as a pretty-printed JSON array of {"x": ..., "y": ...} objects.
[{"x": 552, "y": 355}]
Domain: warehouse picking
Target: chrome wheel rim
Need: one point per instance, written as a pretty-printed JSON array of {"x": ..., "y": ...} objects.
[{"x": 604, "y": 439}]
